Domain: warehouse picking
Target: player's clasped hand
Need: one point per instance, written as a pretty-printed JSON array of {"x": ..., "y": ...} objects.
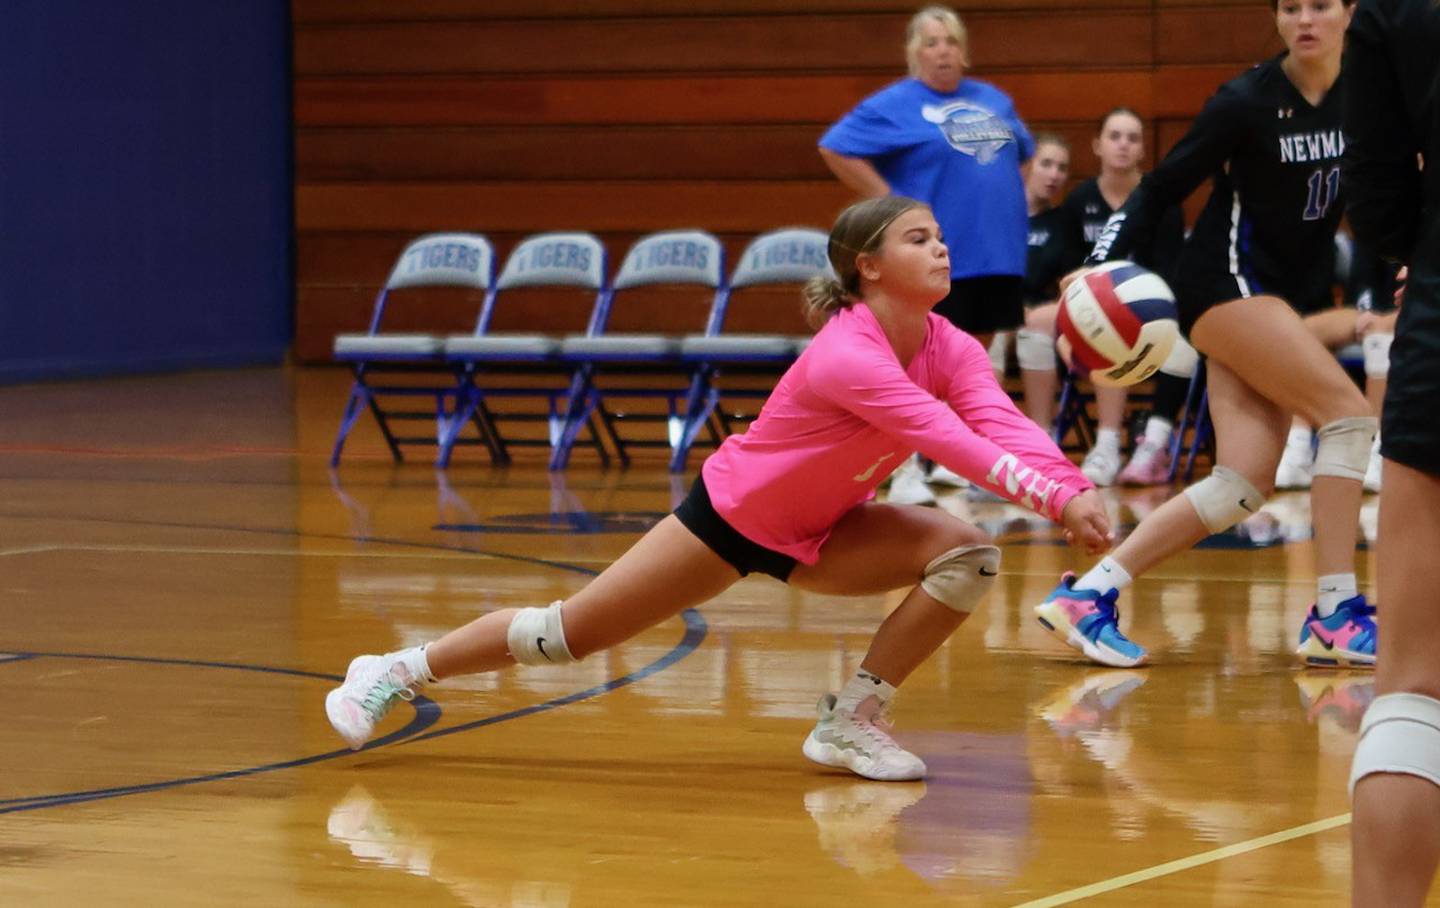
[{"x": 1086, "y": 523}]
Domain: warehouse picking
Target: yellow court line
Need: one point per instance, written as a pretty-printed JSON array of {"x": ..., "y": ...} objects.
[{"x": 1206, "y": 857}]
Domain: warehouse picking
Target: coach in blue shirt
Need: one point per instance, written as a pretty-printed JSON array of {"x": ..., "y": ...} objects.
[{"x": 957, "y": 144}]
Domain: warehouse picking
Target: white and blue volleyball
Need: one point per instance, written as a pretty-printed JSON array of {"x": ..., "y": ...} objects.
[{"x": 1121, "y": 322}]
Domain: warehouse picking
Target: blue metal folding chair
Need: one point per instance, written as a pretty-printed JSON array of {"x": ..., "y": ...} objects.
[
  {"x": 434, "y": 260},
  {"x": 787, "y": 256},
  {"x": 546, "y": 260},
  {"x": 677, "y": 258}
]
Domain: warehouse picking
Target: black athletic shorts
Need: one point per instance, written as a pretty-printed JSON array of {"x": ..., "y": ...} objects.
[
  {"x": 701, "y": 518},
  {"x": 1410, "y": 426},
  {"x": 1197, "y": 294},
  {"x": 984, "y": 305}
]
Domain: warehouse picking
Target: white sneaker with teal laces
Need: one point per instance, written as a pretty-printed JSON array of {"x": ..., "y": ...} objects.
[
  {"x": 373, "y": 684},
  {"x": 860, "y": 742}
]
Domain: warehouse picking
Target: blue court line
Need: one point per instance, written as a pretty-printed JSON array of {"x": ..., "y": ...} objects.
[{"x": 695, "y": 632}]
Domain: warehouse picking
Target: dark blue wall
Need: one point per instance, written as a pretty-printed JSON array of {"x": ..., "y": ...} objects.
[{"x": 145, "y": 185}]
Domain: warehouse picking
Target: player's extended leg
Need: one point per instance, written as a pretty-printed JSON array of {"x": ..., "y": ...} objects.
[
  {"x": 874, "y": 549},
  {"x": 1249, "y": 432},
  {"x": 667, "y": 571},
  {"x": 1265, "y": 343},
  {"x": 1396, "y": 774}
]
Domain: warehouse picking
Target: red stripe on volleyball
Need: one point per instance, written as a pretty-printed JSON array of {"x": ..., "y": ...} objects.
[
  {"x": 1080, "y": 350},
  {"x": 1124, "y": 321}
]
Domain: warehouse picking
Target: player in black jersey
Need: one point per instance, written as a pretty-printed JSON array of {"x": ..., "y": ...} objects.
[
  {"x": 1120, "y": 145},
  {"x": 1392, "y": 122},
  {"x": 1271, "y": 140},
  {"x": 1048, "y": 258}
]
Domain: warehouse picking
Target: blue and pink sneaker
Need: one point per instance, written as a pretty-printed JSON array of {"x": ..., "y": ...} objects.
[
  {"x": 1089, "y": 621},
  {"x": 1346, "y": 639}
]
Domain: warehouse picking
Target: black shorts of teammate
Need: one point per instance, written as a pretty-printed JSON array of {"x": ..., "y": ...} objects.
[
  {"x": 1196, "y": 294},
  {"x": 1410, "y": 427},
  {"x": 745, "y": 556},
  {"x": 986, "y": 304}
]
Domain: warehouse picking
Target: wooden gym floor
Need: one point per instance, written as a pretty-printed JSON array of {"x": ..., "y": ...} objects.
[{"x": 183, "y": 578}]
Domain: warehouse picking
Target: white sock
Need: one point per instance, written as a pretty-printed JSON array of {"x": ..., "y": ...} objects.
[
  {"x": 1333, "y": 589},
  {"x": 1108, "y": 439},
  {"x": 416, "y": 663},
  {"x": 1157, "y": 431},
  {"x": 861, "y": 686},
  {"x": 1105, "y": 576}
]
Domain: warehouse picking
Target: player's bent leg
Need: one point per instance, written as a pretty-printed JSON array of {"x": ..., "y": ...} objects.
[{"x": 950, "y": 565}]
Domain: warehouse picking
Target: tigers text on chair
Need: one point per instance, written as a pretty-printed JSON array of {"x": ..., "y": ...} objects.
[
  {"x": 464, "y": 260},
  {"x": 779, "y": 258},
  {"x": 645, "y": 366},
  {"x": 496, "y": 364}
]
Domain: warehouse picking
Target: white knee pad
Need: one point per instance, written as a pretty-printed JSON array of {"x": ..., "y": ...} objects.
[
  {"x": 1182, "y": 360},
  {"x": 536, "y": 637},
  {"x": 1223, "y": 499},
  {"x": 1399, "y": 734},
  {"x": 1035, "y": 351},
  {"x": 999, "y": 346},
  {"x": 1377, "y": 354},
  {"x": 1344, "y": 448},
  {"x": 961, "y": 577}
]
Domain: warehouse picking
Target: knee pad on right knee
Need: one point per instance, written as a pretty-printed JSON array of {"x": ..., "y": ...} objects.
[
  {"x": 1377, "y": 354},
  {"x": 1344, "y": 448},
  {"x": 961, "y": 577},
  {"x": 1399, "y": 734},
  {"x": 537, "y": 637},
  {"x": 1182, "y": 360},
  {"x": 1223, "y": 499},
  {"x": 1035, "y": 351}
]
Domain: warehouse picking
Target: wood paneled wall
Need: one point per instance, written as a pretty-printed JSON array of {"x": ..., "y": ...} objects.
[{"x": 625, "y": 116}]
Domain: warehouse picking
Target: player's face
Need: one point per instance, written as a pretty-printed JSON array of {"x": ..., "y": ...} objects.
[
  {"x": 1121, "y": 143},
  {"x": 1048, "y": 171},
  {"x": 941, "y": 59},
  {"x": 912, "y": 263},
  {"x": 1313, "y": 29}
]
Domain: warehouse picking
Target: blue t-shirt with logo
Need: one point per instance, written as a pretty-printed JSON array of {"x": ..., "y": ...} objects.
[{"x": 958, "y": 152}]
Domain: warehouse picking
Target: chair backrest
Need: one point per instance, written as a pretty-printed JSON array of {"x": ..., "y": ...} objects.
[
  {"x": 673, "y": 257},
  {"x": 440, "y": 260},
  {"x": 691, "y": 257},
  {"x": 555, "y": 259},
  {"x": 791, "y": 255},
  {"x": 445, "y": 260}
]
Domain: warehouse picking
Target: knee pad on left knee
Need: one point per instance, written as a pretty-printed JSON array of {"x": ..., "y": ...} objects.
[
  {"x": 1377, "y": 354},
  {"x": 1399, "y": 734},
  {"x": 1223, "y": 499},
  {"x": 1035, "y": 351},
  {"x": 961, "y": 577},
  {"x": 1344, "y": 448},
  {"x": 1182, "y": 360},
  {"x": 537, "y": 637}
]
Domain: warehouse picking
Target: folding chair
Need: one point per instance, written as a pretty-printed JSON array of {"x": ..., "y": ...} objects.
[
  {"x": 677, "y": 258},
  {"x": 787, "y": 256},
  {"x": 545, "y": 260},
  {"x": 434, "y": 260}
]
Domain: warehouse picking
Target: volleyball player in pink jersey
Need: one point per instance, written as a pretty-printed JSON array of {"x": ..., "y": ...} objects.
[{"x": 792, "y": 497}]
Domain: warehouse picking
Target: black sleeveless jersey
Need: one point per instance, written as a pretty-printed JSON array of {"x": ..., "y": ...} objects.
[
  {"x": 1269, "y": 225},
  {"x": 1087, "y": 213}
]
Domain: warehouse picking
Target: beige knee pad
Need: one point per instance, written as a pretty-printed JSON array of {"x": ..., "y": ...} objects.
[
  {"x": 1344, "y": 448},
  {"x": 960, "y": 577},
  {"x": 1035, "y": 351},
  {"x": 1377, "y": 354},
  {"x": 1223, "y": 499},
  {"x": 536, "y": 637}
]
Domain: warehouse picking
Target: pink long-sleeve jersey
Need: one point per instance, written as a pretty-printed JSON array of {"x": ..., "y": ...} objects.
[{"x": 847, "y": 413}]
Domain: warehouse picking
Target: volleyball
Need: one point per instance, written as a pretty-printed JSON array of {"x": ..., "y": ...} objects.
[{"x": 1121, "y": 322}]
